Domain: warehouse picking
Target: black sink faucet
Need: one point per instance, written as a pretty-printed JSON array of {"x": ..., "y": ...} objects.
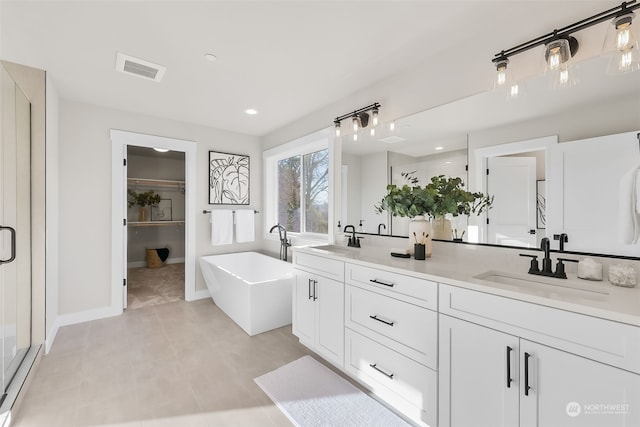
[
  {"x": 545, "y": 245},
  {"x": 284, "y": 243},
  {"x": 546, "y": 262},
  {"x": 381, "y": 225},
  {"x": 354, "y": 241}
]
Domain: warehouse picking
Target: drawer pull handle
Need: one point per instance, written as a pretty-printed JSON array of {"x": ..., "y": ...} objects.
[
  {"x": 310, "y": 296},
  {"x": 381, "y": 283},
  {"x": 375, "y": 317},
  {"x": 526, "y": 374},
  {"x": 374, "y": 366},
  {"x": 509, "y": 350}
]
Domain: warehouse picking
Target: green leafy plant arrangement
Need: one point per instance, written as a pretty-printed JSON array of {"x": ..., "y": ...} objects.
[
  {"x": 148, "y": 198},
  {"x": 440, "y": 197}
]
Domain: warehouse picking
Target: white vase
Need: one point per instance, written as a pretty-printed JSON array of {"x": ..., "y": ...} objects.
[
  {"x": 420, "y": 232},
  {"x": 441, "y": 228}
]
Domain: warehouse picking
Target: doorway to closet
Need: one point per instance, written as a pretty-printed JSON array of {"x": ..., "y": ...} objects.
[
  {"x": 155, "y": 231},
  {"x": 153, "y": 211}
]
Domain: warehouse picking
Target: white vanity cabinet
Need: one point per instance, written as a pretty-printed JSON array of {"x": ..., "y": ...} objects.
[
  {"x": 318, "y": 305},
  {"x": 505, "y": 363},
  {"x": 391, "y": 338}
]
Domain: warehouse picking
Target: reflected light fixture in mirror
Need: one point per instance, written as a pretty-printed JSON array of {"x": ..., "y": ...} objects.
[
  {"x": 160, "y": 150},
  {"x": 622, "y": 41}
]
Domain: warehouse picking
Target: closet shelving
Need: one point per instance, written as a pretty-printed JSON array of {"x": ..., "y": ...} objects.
[{"x": 155, "y": 183}]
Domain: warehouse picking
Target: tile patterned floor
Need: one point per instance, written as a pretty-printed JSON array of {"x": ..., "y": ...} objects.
[{"x": 176, "y": 364}]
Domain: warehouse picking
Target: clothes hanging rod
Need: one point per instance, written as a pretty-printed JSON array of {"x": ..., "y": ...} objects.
[{"x": 208, "y": 211}]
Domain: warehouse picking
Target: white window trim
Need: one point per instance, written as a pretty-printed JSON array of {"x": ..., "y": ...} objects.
[{"x": 317, "y": 141}]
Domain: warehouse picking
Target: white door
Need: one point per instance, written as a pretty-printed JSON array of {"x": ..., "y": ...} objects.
[
  {"x": 476, "y": 364},
  {"x": 568, "y": 390},
  {"x": 304, "y": 307},
  {"x": 15, "y": 227},
  {"x": 329, "y": 296},
  {"x": 512, "y": 217}
]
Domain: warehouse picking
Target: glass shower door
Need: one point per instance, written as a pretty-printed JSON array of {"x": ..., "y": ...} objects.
[{"x": 15, "y": 227}]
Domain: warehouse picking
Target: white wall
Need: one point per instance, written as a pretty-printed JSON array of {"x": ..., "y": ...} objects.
[{"x": 85, "y": 194}]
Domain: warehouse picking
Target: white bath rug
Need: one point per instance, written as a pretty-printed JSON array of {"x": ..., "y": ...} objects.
[{"x": 310, "y": 394}]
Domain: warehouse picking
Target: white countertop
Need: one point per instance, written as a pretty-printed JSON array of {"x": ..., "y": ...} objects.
[{"x": 598, "y": 299}]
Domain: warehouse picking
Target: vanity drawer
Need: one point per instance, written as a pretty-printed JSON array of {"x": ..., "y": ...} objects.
[
  {"x": 327, "y": 267},
  {"x": 400, "y": 381},
  {"x": 609, "y": 342},
  {"x": 410, "y": 289},
  {"x": 407, "y": 328}
]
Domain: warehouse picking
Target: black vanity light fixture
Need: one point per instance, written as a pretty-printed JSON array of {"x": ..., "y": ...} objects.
[
  {"x": 561, "y": 46},
  {"x": 360, "y": 119}
]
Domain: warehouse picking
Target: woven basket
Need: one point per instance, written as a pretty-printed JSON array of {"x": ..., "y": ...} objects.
[{"x": 153, "y": 260}]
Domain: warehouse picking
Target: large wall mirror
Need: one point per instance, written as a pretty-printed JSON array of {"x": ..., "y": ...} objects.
[{"x": 559, "y": 161}]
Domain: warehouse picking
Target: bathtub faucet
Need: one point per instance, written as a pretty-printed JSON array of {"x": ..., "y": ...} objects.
[{"x": 284, "y": 243}]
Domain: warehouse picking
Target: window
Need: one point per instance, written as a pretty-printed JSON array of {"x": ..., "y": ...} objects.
[
  {"x": 297, "y": 182},
  {"x": 303, "y": 192}
]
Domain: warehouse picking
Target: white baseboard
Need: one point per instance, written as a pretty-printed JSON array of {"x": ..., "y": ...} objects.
[
  {"x": 137, "y": 264},
  {"x": 87, "y": 316},
  {"x": 51, "y": 336},
  {"x": 201, "y": 294}
]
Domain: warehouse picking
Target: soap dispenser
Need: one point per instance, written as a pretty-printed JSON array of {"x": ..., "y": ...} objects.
[{"x": 360, "y": 228}]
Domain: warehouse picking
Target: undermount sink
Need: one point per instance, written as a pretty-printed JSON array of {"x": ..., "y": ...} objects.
[
  {"x": 342, "y": 250},
  {"x": 542, "y": 283}
]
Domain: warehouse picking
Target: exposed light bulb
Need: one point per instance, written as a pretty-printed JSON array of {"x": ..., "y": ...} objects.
[
  {"x": 372, "y": 132},
  {"x": 355, "y": 137},
  {"x": 514, "y": 91},
  {"x": 501, "y": 68},
  {"x": 624, "y": 38},
  {"x": 554, "y": 58},
  {"x": 337, "y": 128},
  {"x": 374, "y": 117},
  {"x": 355, "y": 123},
  {"x": 392, "y": 126},
  {"x": 564, "y": 77}
]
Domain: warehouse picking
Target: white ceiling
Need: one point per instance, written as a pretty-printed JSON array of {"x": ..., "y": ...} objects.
[{"x": 286, "y": 59}]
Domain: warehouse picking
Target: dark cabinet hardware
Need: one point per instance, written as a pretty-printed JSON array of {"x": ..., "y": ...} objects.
[
  {"x": 374, "y": 366},
  {"x": 509, "y": 380},
  {"x": 310, "y": 280},
  {"x": 375, "y": 317},
  {"x": 381, "y": 283},
  {"x": 526, "y": 374},
  {"x": 315, "y": 290}
]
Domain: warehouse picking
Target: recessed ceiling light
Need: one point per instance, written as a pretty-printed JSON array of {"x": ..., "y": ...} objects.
[
  {"x": 210, "y": 57},
  {"x": 251, "y": 111},
  {"x": 439, "y": 148},
  {"x": 448, "y": 163}
]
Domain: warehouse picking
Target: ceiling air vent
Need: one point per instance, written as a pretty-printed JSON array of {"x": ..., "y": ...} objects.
[
  {"x": 392, "y": 139},
  {"x": 139, "y": 67}
]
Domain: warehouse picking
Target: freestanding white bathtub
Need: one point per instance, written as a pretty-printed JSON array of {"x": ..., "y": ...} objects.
[{"x": 251, "y": 288}]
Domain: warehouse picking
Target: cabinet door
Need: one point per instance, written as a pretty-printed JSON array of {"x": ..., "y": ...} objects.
[
  {"x": 567, "y": 390},
  {"x": 330, "y": 319},
  {"x": 475, "y": 365},
  {"x": 304, "y": 307}
]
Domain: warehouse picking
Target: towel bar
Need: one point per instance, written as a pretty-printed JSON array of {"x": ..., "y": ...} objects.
[{"x": 208, "y": 211}]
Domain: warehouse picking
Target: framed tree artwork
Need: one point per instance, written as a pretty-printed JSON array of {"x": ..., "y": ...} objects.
[{"x": 228, "y": 179}]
